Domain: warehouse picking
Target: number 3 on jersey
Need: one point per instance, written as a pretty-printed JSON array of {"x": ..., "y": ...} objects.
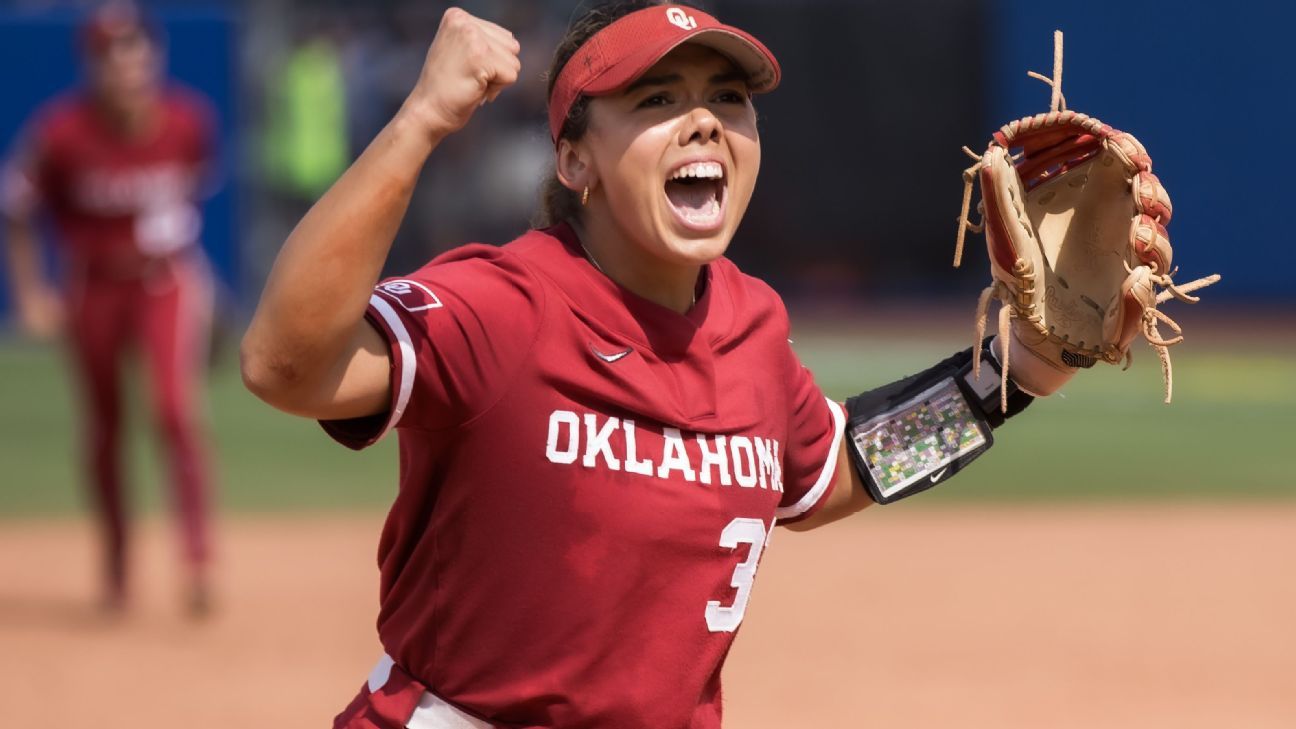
[{"x": 727, "y": 618}]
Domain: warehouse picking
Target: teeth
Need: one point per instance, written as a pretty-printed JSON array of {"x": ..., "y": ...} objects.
[{"x": 701, "y": 170}]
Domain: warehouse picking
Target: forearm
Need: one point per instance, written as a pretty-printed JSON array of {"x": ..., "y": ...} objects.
[
  {"x": 914, "y": 413},
  {"x": 22, "y": 256},
  {"x": 322, "y": 279},
  {"x": 847, "y": 497},
  {"x": 912, "y": 434},
  {"x": 308, "y": 350}
]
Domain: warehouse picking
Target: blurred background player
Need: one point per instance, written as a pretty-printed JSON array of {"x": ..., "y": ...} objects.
[{"x": 119, "y": 166}]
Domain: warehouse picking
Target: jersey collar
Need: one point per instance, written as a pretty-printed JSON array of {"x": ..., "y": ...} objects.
[{"x": 645, "y": 322}]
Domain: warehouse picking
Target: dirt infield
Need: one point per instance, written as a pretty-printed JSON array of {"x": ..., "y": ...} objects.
[{"x": 905, "y": 617}]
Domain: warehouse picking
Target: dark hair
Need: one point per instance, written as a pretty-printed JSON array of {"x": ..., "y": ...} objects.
[
  {"x": 116, "y": 19},
  {"x": 557, "y": 203}
]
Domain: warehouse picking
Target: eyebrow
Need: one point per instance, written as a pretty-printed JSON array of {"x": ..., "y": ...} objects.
[
  {"x": 671, "y": 78},
  {"x": 654, "y": 81},
  {"x": 729, "y": 77}
]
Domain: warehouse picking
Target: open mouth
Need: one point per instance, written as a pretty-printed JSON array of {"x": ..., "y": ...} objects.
[{"x": 696, "y": 193}]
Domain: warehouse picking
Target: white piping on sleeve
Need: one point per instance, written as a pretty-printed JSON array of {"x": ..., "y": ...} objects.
[
  {"x": 407, "y": 361},
  {"x": 817, "y": 491}
]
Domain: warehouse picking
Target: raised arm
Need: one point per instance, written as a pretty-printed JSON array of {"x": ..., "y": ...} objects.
[{"x": 308, "y": 350}]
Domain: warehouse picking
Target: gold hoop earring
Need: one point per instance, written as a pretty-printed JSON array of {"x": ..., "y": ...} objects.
[{"x": 585, "y": 197}]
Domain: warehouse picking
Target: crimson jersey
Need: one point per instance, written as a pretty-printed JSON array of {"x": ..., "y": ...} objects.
[
  {"x": 116, "y": 201},
  {"x": 587, "y": 481}
]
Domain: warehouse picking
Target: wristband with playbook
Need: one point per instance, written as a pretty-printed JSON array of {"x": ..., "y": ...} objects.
[{"x": 908, "y": 436}]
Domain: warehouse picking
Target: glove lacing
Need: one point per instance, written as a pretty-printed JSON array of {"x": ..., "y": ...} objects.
[
  {"x": 1056, "y": 103},
  {"x": 1152, "y": 316},
  {"x": 964, "y": 225},
  {"x": 996, "y": 290}
]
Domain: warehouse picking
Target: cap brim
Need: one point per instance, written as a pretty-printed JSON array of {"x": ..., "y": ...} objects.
[{"x": 746, "y": 52}]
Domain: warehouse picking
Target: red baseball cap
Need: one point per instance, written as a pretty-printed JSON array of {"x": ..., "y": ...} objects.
[{"x": 620, "y": 53}]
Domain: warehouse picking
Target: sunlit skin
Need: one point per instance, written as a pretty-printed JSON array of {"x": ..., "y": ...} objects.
[
  {"x": 692, "y": 105},
  {"x": 126, "y": 78}
]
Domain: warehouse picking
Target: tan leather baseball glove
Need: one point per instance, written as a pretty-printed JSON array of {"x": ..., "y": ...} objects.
[{"x": 1074, "y": 222}]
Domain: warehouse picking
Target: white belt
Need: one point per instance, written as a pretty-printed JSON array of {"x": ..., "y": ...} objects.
[{"x": 432, "y": 711}]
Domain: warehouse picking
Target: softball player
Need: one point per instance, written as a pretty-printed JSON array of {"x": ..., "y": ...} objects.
[
  {"x": 600, "y": 422},
  {"x": 118, "y": 168}
]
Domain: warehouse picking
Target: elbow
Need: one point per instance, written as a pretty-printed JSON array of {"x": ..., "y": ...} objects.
[
  {"x": 271, "y": 379},
  {"x": 255, "y": 373}
]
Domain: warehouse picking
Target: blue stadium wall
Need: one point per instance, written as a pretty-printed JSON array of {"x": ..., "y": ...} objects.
[{"x": 39, "y": 58}]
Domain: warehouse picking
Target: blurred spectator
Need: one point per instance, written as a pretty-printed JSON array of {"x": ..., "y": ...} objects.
[{"x": 306, "y": 137}]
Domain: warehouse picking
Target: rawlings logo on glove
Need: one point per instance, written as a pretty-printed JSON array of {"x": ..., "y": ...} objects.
[{"x": 1075, "y": 228}]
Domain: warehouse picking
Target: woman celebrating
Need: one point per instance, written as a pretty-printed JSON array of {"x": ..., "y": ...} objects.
[{"x": 599, "y": 422}]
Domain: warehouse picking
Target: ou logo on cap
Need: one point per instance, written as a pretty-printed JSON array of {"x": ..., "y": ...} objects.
[{"x": 678, "y": 17}]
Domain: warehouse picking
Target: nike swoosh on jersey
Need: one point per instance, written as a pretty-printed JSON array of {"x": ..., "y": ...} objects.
[
  {"x": 937, "y": 476},
  {"x": 610, "y": 357}
]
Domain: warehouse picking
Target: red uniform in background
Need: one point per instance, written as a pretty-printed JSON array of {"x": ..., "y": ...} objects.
[
  {"x": 588, "y": 480},
  {"x": 126, "y": 216}
]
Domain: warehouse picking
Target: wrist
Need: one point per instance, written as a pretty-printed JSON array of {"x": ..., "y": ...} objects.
[
  {"x": 419, "y": 119},
  {"x": 1038, "y": 376}
]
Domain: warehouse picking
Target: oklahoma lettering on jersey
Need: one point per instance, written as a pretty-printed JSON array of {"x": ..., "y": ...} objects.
[
  {"x": 588, "y": 481},
  {"x": 755, "y": 459}
]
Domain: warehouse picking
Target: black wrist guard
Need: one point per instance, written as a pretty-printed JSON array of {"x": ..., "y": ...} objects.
[{"x": 910, "y": 435}]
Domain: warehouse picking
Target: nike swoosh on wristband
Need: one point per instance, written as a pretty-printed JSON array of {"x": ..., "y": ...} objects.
[
  {"x": 609, "y": 357},
  {"x": 937, "y": 476}
]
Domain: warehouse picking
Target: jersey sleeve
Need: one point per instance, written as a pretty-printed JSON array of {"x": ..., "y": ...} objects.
[
  {"x": 815, "y": 428},
  {"x": 457, "y": 331}
]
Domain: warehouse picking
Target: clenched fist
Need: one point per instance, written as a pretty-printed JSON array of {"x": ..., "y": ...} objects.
[{"x": 469, "y": 63}]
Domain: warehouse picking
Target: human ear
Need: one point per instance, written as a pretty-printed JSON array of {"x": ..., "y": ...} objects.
[{"x": 574, "y": 166}]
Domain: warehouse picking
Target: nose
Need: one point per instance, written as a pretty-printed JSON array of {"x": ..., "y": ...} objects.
[{"x": 700, "y": 126}]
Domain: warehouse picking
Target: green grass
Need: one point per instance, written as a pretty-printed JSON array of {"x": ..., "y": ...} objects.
[
  {"x": 264, "y": 460},
  {"x": 1110, "y": 438}
]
